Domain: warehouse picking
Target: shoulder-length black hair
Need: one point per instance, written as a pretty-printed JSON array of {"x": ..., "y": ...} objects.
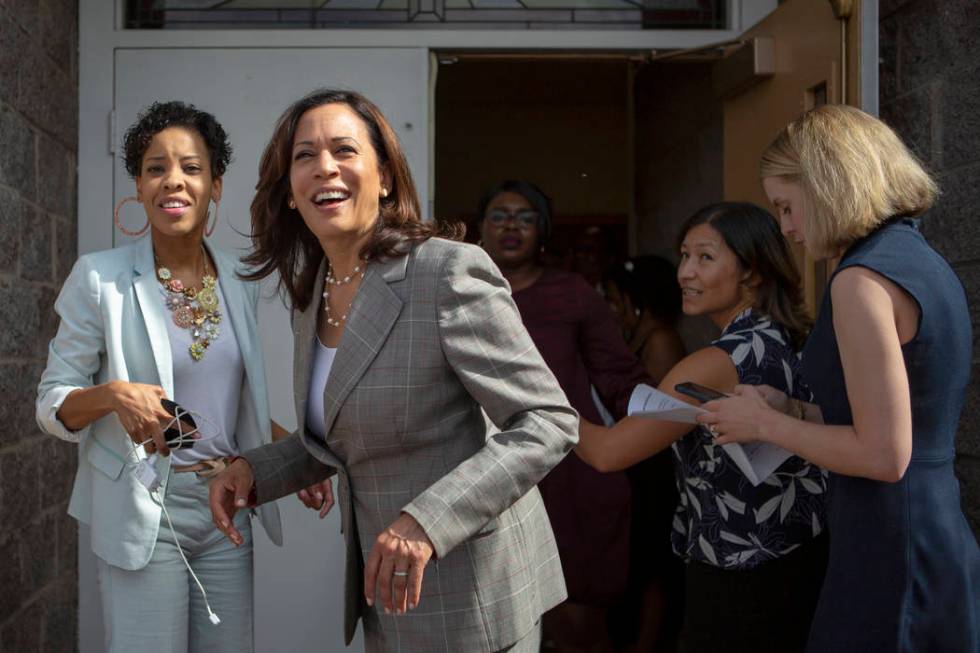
[
  {"x": 282, "y": 241},
  {"x": 753, "y": 235}
]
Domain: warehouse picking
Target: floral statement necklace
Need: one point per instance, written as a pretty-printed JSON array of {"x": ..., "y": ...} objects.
[{"x": 193, "y": 309}]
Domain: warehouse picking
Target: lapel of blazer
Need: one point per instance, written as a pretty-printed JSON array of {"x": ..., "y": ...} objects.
[
  {"x": 304, "y": 330},
  {"x": 150, "y": 296},
  {"x": 236, "y": 303},
  {"x": 372, "y": 315}
]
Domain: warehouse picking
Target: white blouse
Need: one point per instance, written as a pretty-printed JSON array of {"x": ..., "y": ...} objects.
[
  {"x": 322, "y": 362},
  {"x": 211, "y": 386}
]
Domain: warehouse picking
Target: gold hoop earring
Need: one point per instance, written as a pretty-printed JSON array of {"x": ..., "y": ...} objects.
[
  {"x": 119, "y": 226},
  {"x": 214, "y": 223}
]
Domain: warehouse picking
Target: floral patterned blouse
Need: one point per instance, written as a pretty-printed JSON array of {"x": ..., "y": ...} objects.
[{"x": 721, "y": 519}]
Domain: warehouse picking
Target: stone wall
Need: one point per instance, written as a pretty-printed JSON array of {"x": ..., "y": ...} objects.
[
  {"x": 930, "y": 93},
  {"x": 38, "y": 227}
]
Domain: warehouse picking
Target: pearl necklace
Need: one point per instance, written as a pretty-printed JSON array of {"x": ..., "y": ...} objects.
[
  {"x": 330, "y": 280},
  {"x": 333, "y": 281}
]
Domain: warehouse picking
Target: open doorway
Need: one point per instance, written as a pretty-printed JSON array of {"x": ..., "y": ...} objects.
[
  {"x": 560, "y": 122},
  {"x": 625, "y": 148},
  {"x": 629, "y": 144}
]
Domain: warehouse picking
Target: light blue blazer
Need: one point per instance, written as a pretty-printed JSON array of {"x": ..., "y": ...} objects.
[{"x": 112, "y": 327}]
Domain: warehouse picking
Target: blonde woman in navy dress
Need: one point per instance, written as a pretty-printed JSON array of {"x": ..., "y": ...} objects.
[{"x": 888, "y": 361}]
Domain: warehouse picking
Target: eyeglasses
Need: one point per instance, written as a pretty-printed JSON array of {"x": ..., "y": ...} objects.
[{"x": 524, "y": 219}]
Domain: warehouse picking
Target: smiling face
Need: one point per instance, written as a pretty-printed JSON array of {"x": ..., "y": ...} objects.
[
  {"x": 335, "y": 177},
  {"x": 510, "y": 230},
  {"x": 710, "y": 276},
  {"x": 175, "y": 183},
  {"x": 787, "y": 198}
]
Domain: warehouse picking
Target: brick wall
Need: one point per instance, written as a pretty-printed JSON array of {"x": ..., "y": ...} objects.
[
  {"x": 38, "y": 226},
  {"x": 930, "y": 92}
]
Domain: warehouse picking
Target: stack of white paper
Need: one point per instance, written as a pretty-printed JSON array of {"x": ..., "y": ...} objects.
[{"x": 757, "y": 460}]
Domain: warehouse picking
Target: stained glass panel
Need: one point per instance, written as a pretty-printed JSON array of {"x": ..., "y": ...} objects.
[{"x": 486, "y": 14}]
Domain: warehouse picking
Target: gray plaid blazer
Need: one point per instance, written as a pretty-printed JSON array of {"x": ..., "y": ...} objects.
[{"x": 431, "y": 338}]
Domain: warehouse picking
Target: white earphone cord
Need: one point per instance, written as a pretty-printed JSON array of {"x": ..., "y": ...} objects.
[
  {"x": 163, "y": 504},
  {"x": 211, "y": 615}
]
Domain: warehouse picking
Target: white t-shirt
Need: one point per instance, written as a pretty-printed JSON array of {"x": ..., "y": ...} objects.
[
  {"x": 322, "y": 362},
  {"x": 211, "y": 386}
]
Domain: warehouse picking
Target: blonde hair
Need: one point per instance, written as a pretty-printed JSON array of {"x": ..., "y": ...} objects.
[{"x": 854, "y": 171}]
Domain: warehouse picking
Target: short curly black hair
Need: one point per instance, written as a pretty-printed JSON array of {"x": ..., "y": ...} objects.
[{"x": 159, "y": 116}]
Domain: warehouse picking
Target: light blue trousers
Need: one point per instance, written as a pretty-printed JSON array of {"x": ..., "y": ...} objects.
[{"x": 159, "y": 608}]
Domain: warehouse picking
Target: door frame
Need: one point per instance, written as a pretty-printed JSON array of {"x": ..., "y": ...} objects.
[{"x": 101, "y": 35}]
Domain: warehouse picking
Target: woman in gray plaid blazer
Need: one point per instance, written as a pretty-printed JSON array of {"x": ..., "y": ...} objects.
[{"x": 416, "y": 338}]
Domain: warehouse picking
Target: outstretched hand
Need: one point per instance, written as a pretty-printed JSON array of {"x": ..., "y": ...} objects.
[
  {"x": 396, "y": 564},
  {"x": 228, "y": 492}
]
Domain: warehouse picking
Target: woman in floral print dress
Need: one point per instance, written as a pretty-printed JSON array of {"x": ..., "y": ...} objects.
[{"x": 755, "y": 554}]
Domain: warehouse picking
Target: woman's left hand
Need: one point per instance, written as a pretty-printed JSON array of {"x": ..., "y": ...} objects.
[
  {"x": 739, "y": 418},
  {"x": 318, "y": 496},
  {"x": 396, "y": 564}
]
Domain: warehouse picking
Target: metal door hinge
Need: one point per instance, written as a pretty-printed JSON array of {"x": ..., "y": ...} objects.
[{"x": 112, "y": 132}]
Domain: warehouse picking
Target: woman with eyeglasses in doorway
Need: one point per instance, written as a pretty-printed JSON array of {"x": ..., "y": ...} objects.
[{"x": 577, "y": 335}]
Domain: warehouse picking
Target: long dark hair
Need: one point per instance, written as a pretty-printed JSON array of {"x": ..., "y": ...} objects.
[
  {"x": 282, "y": 241},
  {"x": 753, "y": 235}
]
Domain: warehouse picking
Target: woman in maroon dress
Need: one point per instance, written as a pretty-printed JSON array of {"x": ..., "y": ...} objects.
[{"x": 580, "y": 341}]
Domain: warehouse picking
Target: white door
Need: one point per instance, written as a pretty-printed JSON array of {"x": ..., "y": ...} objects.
[{"x": 299, "y": 587}]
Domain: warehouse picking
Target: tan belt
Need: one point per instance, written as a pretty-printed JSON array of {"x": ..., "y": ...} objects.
[{"x": 204, "y": 468}]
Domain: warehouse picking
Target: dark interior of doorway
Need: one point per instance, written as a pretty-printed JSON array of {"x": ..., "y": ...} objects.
[
  {"x": 605, "y": 138},
  {"x": 561, "y": 124},
  {"x": 626, "y": 147}
]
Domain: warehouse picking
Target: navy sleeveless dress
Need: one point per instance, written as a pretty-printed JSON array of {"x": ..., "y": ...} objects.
[{"x": 904, "y": 568}]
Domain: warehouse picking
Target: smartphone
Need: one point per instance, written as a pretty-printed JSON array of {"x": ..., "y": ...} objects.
[
  {"x": 172, "y": 434},
  {"x": 699, "y": 392}
]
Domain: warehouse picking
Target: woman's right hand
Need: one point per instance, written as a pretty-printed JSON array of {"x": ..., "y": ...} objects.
[
  {"x": 142, "y": 415},
  {"x": 229, "y": 492},
  {"x": 777, "y": 399}
]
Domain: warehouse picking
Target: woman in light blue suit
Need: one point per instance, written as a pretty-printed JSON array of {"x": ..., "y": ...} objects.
[{"x": 165, "y": 317}]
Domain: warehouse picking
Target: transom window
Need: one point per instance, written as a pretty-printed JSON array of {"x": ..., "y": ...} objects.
[{"x": 427, "y": 14}]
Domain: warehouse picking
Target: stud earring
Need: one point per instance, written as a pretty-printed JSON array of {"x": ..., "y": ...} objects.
[
  {"x": 291, "y": 203},
  {"x": 115, "y": 216},
  {"x": 384, "y": 192}
]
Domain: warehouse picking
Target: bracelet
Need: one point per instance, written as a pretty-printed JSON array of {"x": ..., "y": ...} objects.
[
  {"x": 253, "y": 497},
  {"x": 800, "y": 409}
]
